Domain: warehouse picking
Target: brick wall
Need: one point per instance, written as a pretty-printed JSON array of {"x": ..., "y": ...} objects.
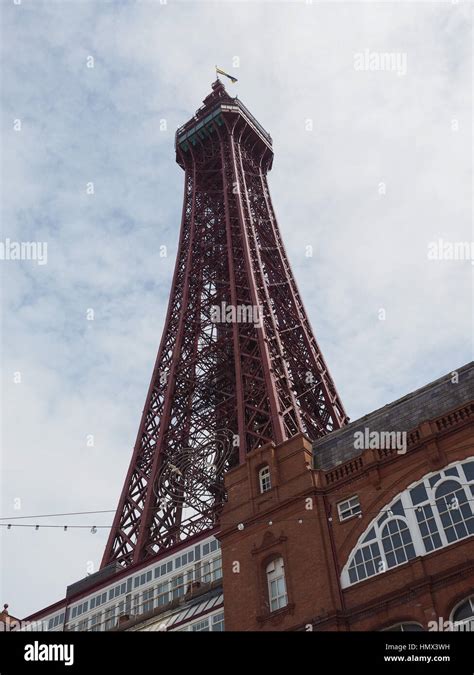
[{"x": 297, "y": 520}]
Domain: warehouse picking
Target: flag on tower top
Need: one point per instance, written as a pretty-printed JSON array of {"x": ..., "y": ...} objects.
[{"x": 231, "y": 77}]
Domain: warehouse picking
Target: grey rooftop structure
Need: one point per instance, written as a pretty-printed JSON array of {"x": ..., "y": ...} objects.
[{"x": 404, "y": 414}]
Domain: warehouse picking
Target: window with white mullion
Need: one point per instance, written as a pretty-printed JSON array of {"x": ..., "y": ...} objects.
[
  {"x": 264, "y": 478},
  {"x": 397, "y": 543},
  {"x": 463, "y": 614},
  {"x": 277, "y": 594},
  {"x": 217, "y": 622},
  {"x": 162, "y": 593},
  {"x": 412, "y": 522},
  {"x": 136, "y": 604},
  {"x": 201, "y": 626},
  {"x": 109, "y": 618},
  {"x": 428, "y": 523},
  {"x": 429, "y": 527},
  {"x": 431, "y": 514},
  {"x": 439, "y": 508},
  {"x": 387, "y": 544},
  {"x": 437, "y": 518},
  {"x": 454, "y": 510},
  {"x": 96, "y": 623},
  {"x": 468, "y": 471},
  {"x": 349, "y": 508}
]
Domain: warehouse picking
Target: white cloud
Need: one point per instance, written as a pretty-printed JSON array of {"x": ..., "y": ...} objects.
[{"x": 156, "y": 61}]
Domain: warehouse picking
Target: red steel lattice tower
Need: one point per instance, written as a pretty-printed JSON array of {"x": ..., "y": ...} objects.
[{"x": 238, "y": 364}]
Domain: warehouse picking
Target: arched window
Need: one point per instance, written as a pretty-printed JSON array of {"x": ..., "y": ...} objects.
[
  {"x": 276, "y": 584},
  {"x": 397, "y": 543},
  {"x": 463, "y": 616},
  {"x": 408, "y": 627},
  {"x": 430, "y": 514},
  {"x": 454, "y": 510},
  {"x": 264, "y": 479}
]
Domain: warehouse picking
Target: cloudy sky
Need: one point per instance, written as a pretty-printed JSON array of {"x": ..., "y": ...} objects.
[{"x": 370, "y": 167}]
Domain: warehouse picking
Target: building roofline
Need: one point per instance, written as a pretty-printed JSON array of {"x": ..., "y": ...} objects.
[{"x": 334, "y": 435}]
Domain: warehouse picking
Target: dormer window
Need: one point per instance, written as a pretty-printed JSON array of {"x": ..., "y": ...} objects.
[{"x": 264, "y": 479}]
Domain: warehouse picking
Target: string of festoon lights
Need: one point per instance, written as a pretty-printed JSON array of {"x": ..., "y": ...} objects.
[
  {"x": 453, "y": 505},
  {"x": 93, "y": 529}
]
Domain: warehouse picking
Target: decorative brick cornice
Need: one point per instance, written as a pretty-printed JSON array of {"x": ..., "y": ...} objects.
[
  {"x": 416, "y": 438},
  {"x": 455, "y": 418}
]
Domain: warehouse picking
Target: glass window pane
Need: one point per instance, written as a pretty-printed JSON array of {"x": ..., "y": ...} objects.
[
  {"x": 397, "y": 540},
  {"x": 451, "y": 472},
  {"x": 361, "y": 571},
  {"x": 418, "y": 494},
  {"x": 448, "y": 487},
  {"x": 400, "y": 555},
  {"x": 465, "y": 611},
  {"x": 461, "y": 530},
  {"x": 450, "y": 534},
  {"x": 397, "y": 508},
  {"x": 406, "y": 538},
  {"x": 391, "y": 562},
  {"x": 436, "y": 540},
  {"x": 383, "y": 517},
  {"x": 469, "y": 470},
  {"x": 369, "y": 536},
  {"x": 375, "y": 549}
]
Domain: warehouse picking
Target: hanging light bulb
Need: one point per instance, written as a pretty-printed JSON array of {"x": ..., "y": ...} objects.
[
  {"x": 65, "y": 528},
  {"x": 37, "y": 527},
  {"x": 93, "y": 529}
]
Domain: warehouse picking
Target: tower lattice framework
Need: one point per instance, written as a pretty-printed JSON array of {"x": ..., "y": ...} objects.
[{"x": 238, "y": 365}]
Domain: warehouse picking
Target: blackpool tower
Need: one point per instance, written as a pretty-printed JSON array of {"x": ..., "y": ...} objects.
[{"x": 238, "y": 364}]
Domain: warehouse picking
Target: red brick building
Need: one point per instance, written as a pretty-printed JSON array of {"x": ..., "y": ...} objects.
[{"x": 368, "y": 529}]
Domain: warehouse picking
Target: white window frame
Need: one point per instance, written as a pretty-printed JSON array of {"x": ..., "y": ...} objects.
[
  {"x": 110, "y": 618},
  {"x": 204, "y": 626},
  {"x": 411, "y": 519},
  {"x": 464, "y": 622},
  {"x": 163, "y": 591},
  {"x": 275, "y": 572},
  {"x": 217, "y": 620},
  {"x": 347, "y": 510},
  {"x": 83, "y": 624},
  {"x": 148, "y": 599},
  {"x": 264, "y": 479},
  {"x": 96, "y": 622},
  {"x": 134, "y": 601}
]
